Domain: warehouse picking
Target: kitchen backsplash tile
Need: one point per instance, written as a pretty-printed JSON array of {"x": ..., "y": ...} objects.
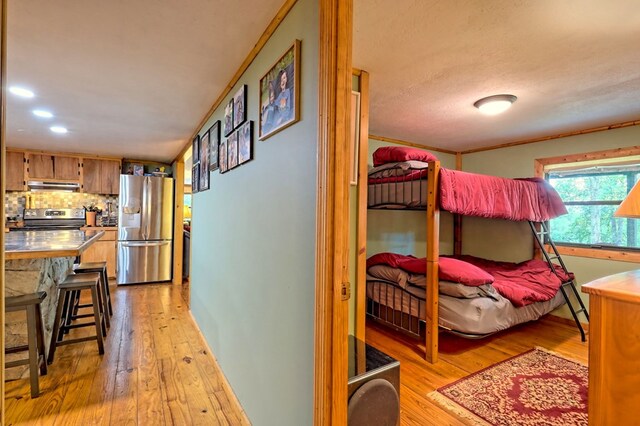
[{"x": 14, "y": 202}]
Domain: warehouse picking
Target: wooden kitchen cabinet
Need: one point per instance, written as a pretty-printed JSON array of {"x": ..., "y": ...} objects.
[
  {"x": 41, "y": 166},
  {"x": 66, "y": 168},
  {"x": 15, "y": 171},
  {"x": 614, "y": 349},
  {"x": 101, "y": 176},
  {"x": 46, "y": 166},
  {"x": 103, "y": 250}
]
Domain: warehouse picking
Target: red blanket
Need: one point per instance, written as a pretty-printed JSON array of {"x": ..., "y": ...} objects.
[
  {"x": 501, "y": 198},
  {"x": 522, "y": 283}
]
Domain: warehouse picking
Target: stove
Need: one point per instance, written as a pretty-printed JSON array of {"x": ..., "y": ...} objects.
[{"x": 51, "y": 219}]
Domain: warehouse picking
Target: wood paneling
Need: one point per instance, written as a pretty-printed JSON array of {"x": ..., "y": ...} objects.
[
  {"x": 15, "y": 171},
  {"x": 66, "y": 168},
  {"x": 178, "y": 229},
  {"x": 156, "y": 370},
  {"x": 460, "y": 357},
  {"x": 41, "y": 166},
  {"x": 614, "y": 349},
  {"x": 91, "y": 176},
  {"x": 104, "y": 250}
]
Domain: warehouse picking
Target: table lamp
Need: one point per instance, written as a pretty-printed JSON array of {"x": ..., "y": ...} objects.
[{"x": 630, "y": 206}]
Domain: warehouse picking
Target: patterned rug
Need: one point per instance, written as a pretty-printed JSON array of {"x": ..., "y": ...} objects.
[{"x": 533, "y": 388}]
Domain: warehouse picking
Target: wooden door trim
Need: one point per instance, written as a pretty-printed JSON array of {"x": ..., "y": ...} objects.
[
  {"x": 178, "y": 215},
  {"x": 3, "y": 110},
  {"x": 361, "y": 237},
  {"x": 332, "y": 228}
]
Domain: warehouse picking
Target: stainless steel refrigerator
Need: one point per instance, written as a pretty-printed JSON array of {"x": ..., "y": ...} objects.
[{"x": 145, "y": 229}]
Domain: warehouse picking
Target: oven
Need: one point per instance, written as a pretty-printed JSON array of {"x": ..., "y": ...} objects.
[{"x": 52, "y": 219}]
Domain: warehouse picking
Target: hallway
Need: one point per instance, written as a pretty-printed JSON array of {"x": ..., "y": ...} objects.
[{"x": 156, "y": 370}]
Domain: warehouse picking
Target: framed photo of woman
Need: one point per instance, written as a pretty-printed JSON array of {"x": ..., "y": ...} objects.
[
  {"x": 280, "y": 94},
  {"x": 228, "y": 118},
  {"x": 239, "y": 106}
]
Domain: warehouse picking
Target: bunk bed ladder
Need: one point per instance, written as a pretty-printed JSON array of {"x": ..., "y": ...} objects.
[{"x": 543, "y": 237}]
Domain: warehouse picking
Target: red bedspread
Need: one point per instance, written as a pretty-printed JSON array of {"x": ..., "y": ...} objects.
[
  {"x": 522, "y": 283},
  {"x": 501, "y": 198}
]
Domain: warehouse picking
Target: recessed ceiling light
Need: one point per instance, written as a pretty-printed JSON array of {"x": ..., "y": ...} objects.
[
  {"x": 42, "y": 113},
  {"x": 492, "y": 105},
  {"x": 21, "y": 91},
  {"x": 58, "y": 129}
]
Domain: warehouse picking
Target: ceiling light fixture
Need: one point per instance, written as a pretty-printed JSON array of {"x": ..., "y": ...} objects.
[
  {"x": 42, "y": 113},
  {"x": 58, "y": 129},
  {"x": 492, "y": 105},
  {"x": 21, "y": 91}
]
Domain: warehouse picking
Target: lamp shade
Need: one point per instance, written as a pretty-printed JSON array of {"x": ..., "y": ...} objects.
[{"x": 630, "y": 206}]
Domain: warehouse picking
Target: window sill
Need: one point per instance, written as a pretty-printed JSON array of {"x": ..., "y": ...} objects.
[{"x": 618, "y": 255}]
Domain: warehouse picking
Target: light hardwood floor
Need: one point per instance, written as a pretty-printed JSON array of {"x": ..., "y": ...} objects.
[
  {"x": 156, "y": 370},
  {"x": 460, "y": 357}
]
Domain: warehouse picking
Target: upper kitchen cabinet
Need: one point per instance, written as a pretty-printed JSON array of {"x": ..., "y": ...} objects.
[
  {"x": 44, "y": 166},
  {"x": 15, "y": 180},
  {"x": 101, "y": 176}
]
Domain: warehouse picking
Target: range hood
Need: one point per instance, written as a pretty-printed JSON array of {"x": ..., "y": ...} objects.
[{"x": 38, "y": 186}]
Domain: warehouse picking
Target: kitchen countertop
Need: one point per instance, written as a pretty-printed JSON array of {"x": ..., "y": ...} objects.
[
  {"x": 101, "y": 228},
  {"x": 42, "y": 244}
]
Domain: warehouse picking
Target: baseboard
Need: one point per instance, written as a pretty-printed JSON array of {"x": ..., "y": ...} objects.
[
  {"x": 567, "y": 321},
  {"x": 225, "y": 383}
]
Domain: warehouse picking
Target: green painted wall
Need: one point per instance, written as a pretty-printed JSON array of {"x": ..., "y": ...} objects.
[
  {"x": 512, "y": 241},
  {"x": 404, "y": 232},
  {"x": 253, "y": 248}
]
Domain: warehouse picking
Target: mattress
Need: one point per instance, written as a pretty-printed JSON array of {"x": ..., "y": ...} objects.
[{"x": 476, "y": 316}]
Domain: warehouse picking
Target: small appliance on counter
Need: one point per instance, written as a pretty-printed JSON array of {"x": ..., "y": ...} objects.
[{"x": 145, "y": 229}]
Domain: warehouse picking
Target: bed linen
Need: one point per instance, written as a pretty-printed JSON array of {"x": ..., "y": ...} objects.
[
  {"x": 500, "y": 198},
  {"x": 476, "y": 316}
]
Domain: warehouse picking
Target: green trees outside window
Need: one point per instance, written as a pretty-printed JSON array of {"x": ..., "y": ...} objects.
[{"x": 592, "y": 195}]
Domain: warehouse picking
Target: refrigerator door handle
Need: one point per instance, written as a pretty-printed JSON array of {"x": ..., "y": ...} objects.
[
  {"x": 144, "y": 244},
  {"x": 147, "y": 206}
]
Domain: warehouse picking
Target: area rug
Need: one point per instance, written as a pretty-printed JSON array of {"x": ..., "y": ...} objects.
[{"x": 534, "y": 388}]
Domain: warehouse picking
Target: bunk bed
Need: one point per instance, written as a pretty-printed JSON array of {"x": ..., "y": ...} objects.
[{"x": 465, "y": 295}]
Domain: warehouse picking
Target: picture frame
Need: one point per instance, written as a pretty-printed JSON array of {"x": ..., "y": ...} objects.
[
  {"x": 223, "y": 163},
  {"x": 239, "y": 106},
  {"x": 228, "y": 118},
  {"x": 195, "y": 179},
  {"x": 280, "y": 94},
  {"x": 355, "y": 137},
  {"x": 214, "y": 144},
  {"x": 232, "y": 151},
  {"x": 204, "y": 162},
  {"x": 195, "y": 149},
  {"x": 138, "y": 170},
  {"x": 245, "y": 142}
]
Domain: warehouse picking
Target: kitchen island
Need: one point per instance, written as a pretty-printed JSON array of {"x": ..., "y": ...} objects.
[{"x": 37, "y": 261}]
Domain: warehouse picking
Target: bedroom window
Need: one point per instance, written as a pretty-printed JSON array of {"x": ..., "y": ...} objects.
[{"x": 592, "y": 193}]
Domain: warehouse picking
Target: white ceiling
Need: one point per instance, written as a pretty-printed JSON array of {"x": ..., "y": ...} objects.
[
  {"x": 130, "y": 78},
  {"x": 573, "y": 64}
]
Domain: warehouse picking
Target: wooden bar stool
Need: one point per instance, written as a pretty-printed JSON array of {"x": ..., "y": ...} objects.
[
  {"x": 30, "y": 303},
  {"x": 66, "y": 294},
  {"x": 101, "y": 268}
]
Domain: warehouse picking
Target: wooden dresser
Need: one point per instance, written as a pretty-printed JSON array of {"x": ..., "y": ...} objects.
[{"x": 614, "y": 349}]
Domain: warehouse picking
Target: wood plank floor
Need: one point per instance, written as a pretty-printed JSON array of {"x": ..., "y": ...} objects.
[
  {"x": 156, "y": 370},
  {"x": 460, "y": 357}
]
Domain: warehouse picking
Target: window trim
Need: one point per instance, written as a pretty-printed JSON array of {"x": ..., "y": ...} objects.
[{"x": 541, "y": 164}]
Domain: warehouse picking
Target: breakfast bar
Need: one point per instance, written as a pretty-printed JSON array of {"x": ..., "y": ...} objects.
[{"x": 38, "y": 261}]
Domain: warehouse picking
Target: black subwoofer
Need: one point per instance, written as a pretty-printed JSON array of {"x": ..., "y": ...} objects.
[{"x": 374, "y": 386}]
